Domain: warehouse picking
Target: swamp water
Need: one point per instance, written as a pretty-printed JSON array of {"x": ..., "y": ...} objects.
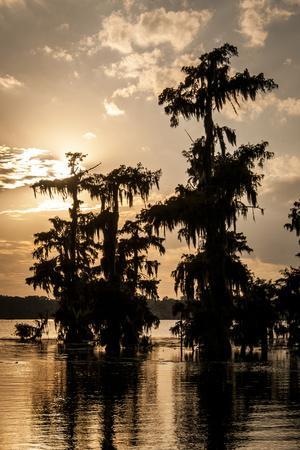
[{"x": 64, "y": 399}]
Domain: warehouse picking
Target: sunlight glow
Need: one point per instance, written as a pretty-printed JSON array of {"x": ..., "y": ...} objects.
[{"x": 24, "y": 166}]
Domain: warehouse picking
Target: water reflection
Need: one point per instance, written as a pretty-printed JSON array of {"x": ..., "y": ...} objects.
[
  {"x": 95, "y": 399},
  {"x": 77, "y": 398},
  {"x": 241, "y": 405}
]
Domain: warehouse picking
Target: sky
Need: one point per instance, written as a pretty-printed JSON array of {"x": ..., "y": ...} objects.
[{"x": 84, "y": 76}]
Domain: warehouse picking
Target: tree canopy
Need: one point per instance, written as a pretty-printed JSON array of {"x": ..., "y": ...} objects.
[{"x": 221, "y": 186}]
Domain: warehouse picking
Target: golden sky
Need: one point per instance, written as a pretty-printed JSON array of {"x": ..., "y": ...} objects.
[{"x": 84, "y": 76}]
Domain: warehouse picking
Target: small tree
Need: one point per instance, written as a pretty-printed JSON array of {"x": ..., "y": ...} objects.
[{"x": 31, "y": 333}]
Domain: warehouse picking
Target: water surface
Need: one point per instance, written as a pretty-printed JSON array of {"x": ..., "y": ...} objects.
[{"x": 59, "y": 398}]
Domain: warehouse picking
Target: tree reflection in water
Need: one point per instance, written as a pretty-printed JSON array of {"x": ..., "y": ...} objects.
[
  {"x": 85, "y": 400},
  {"x": 83, "y": 405},
  {"x": 250, "y": 405}
]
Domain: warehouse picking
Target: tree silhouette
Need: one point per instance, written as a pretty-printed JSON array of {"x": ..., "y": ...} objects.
[
  {"x": 66, "y": 256},
  {"x": 221, "y": 187},
  {"x": 289, "y": 284},
  {"x": 137, "y": 272},
  {"x": 255, "y": 316},
  {"x": 122, "y": 312},
  {"x": 105, "y": 300},
  {"x": 119, "y": 186},
  {"x": 294, "y": 216}
]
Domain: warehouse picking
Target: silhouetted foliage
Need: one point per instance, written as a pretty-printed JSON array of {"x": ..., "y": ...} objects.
[
  {"x": 289, "y": 285},
  {"x": 31, "y": 333},
  {"x": 221, "y": 187},
  {"x": 137, "y": 272},
  {"x": 119, "y": 186},
  {"x": 105, "y": 300},
  {"x": 294, "y": 224},
  {"x": 255, "y": 316},
  {"x": 66, "y": 256}
]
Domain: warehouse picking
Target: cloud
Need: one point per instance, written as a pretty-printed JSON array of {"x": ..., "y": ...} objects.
[
  {"x": 12, "y": 3},
  {"x": 53, "y": 204},
  {"x": 290, "y": 106},
  {"x": 44, "y": 206},
  {"x": 23, "y": 166},
  {"x": 112, "y": 109},
  {"x": 153, "y": 28},
  {"x": 89, "y": 45},
  {"x": 255, "y": 16},
  {"x": 89, "y": 136},
  {"x": 20, "y": 3},
  {"x": 147, "y": 72},
  {"x": 128, "y": 4},
  {"x": 283, "y": 169},
  {"x": 63, "y": 27},
  {"x": 8, "y": 247},
  {"x": 125, "y": 92},
  {"x": 131, "y": 65},
  {"x": 8, "y": 82},
  {"x": 251, "y": 110},
  {"x": 292, "y": 2},
  {"x": 57, "y": 53},
  {"x": 262, "y": 269}
]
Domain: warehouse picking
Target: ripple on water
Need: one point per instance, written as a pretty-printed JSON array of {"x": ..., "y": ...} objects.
[{"x": 55, "y": 398}]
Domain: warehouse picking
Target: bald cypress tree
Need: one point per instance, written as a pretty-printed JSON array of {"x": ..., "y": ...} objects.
[
  {"x": 222, "y": 186},
  {"x": 66, "y": 256},
  {"x": 121, "y": 313},
  {"x": 289, "y": 284},
  {"x": 99, "y": 273}
]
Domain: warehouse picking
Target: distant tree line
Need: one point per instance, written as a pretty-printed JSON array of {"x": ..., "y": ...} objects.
[
  {"x": 98, "y": 268},
  {"x": 34, "y": 307},
  {"x": 30, "y": 307}
]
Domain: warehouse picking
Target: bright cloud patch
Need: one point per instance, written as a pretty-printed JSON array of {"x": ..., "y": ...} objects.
[
  {"x": 9, "y": 82},
  {"x": 59, "y": 54},
  {"x": 11, "y": 3},
  {"x": 112, "y": 109},
  {"x": 24, "y": 166},
  {"x": 281, "y": 169},
  {"x": 147, "y": 72},
  {"x": 46, "y": 205},
  {"x": 89, "y": 136},
  {"x": 152, "y": 28},
  {"x": 290, "y": 105},
  {"x": 261, "y": 269},
  {"x": 251, "y": 110},
  {"x": 255, "y": 16}
]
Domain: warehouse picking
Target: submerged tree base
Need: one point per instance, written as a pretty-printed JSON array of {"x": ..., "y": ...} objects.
[{"x": 31, "y": 333}]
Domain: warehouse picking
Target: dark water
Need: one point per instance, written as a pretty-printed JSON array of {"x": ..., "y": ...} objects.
[{"x": 53, "y": 398}]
